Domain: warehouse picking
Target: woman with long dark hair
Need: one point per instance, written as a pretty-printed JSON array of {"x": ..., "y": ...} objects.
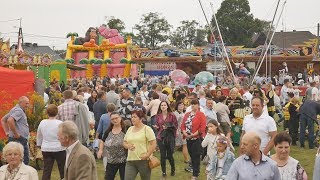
[
  {"x": 92, "y": 99},
  {"x": 166, "y": 124},
  {"x": 112, "y": 144}
]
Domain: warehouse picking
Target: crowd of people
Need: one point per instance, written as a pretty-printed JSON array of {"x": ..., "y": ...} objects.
[{"x": 124, "y": 121}]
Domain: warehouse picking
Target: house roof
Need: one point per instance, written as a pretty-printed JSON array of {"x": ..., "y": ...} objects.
[
  {"x": 33, "y": 49},
  {"x": 287, "y": 39}
]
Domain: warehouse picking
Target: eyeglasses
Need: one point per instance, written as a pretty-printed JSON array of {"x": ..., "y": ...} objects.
[{"x": 137, "y": 108}]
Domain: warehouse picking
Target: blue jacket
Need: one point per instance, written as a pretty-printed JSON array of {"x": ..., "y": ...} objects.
[{"x": 212, "y": 166}]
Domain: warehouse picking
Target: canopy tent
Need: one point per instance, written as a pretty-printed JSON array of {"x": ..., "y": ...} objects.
[{"x": 13, "y": 84}]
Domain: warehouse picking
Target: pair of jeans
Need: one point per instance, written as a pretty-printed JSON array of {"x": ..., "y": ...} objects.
[
  {"x": 48, "y": 161},
  {"x": 306, "y": 121},
  {"x": 135, "y": 167},
  {"x": 166, "y": 153},
  {"x": 112, "y": 169},
  {"x": 25, "y": 144},
  {"x": 195, "y": 151}
]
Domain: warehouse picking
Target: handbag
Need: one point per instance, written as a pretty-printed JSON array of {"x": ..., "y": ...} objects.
[{"x": 153, "y": 161}]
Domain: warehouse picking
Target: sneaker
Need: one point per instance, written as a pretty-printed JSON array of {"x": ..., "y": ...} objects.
[{"x": 189, "y": 169}]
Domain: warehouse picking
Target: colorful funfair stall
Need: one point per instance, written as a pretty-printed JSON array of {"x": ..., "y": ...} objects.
[{"x": 102, "y": 52}]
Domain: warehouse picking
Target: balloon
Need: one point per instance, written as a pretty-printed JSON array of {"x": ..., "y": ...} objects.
[
  {"x": 179, "y": 77},
  {"x": 203, "y": 78}
]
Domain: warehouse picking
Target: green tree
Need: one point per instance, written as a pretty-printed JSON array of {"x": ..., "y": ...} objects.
[
  {"x": 115, "y": 23},
  {"x": 185, "y": 35},
  {"x": 152, "y": 30},
  {"x": 201, "y": 37},
  {"x": 237, "y": 24}
]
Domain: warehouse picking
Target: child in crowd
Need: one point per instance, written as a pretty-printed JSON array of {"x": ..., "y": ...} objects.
[
  {"x": 286, "y": 112},
  {"x": 210, "y": 141},
  {"x": 293, "y": 109},
  {"x": 222, "y": 160},
  {"x": 91, "y": 133}
]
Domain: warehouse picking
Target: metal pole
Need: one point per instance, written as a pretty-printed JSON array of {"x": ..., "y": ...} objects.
[
  {"x": 264, "y": 55},
  {"x": 224, "y": 47},
  {"x": 269, "y": 30},
  {"x": 270, "y": 73}
]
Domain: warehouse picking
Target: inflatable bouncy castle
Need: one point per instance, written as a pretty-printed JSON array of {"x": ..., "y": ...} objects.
[{"x": 103, "y": 52}]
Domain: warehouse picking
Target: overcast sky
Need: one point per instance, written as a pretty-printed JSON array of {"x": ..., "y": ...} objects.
[{"x": 57, "y": 18}]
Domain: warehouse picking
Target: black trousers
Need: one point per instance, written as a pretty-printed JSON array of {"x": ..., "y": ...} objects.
[
  {"x": 293, "y": 130},
  {"x": 112, "y": 169},
  {"x": 195, "y": 151},
  {"x": 48, "y": 161},
  {"x": 165, "y": 153}
]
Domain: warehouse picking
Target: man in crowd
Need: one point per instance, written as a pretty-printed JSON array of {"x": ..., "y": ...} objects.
[
  {"x": 80, "y": 162},
  {"x": 126, "y": 104},
  {"x": 261, "y": 123},
  {"x": 308, "y": 114},
  {"x": 112, "y": 96},
  {"x": 16, "y": 126},
  {"x": 247, "y": 96},
  {"x": 99, "y": 108},
  {"x": 209, "y": 111},
  {"x": 253, "y": 164},
  {"x": 77, "y": 112},
  {"x": 284, "y": 92}
]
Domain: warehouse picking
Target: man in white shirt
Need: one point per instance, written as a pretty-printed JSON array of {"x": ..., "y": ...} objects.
[
  {"x": 247, "y": 96},
  {"x": 284, "y": 92},
  {"x": 260, "y": 123}
]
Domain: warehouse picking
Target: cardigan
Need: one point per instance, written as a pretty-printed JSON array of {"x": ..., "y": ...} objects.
[{"x": 198, "y": 124}]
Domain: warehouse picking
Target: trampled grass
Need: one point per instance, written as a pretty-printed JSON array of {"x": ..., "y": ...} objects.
[{"x": 305, "y": 156}]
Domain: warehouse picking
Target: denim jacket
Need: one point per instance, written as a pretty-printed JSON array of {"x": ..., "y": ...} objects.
[{"x": 212, "y": 166}]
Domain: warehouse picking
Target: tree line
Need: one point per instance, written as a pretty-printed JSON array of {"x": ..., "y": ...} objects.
[{"x": 236, "y": 23}]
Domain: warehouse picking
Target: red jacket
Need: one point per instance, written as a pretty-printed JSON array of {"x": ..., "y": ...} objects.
[{"x": 198, "y": 123}]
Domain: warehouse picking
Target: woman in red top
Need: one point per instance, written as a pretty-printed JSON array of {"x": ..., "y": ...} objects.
[
  {"x": 166, "y": 124},
  {"x": 194, "y": 128}
]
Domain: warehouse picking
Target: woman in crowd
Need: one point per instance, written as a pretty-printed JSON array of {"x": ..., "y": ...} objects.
[
  {"x": 234, "y": 102},
  {"x": 92, "y": 99},
  {"x": 153, "y": 108},
  {"x": 221, "y": 162},
  {"x": 16, "y": 169},
  {"x": 193, "y": 128},
  {"x": 223, "y": 116},
  {"x": 166, "y": 125},
  {"x": 141, "y": 143},
  {"x": 47, "y": 139},
  {"x": 270, "y": 96},
  {"x": 180, "y": 142},
  {"x": 112, "y": 144},
  {"x": 289, "y": 167},
  {"x": 217, "y": 95}
]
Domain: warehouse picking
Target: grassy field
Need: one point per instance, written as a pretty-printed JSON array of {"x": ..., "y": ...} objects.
[{"x": 305, "y": 156}]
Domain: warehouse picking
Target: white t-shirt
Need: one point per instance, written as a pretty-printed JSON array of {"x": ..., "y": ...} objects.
[
  {"x": 262, "y": 126},
  {"x": 47, "y": 136}
]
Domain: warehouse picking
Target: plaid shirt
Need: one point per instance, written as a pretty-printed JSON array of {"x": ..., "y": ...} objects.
[{"x": 66, "y": 110}]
